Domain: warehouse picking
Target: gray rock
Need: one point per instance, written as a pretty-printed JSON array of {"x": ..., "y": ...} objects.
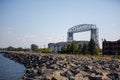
[
  {"x": 53, "y": 78},
  {"x": 71, "y": 78},
  {"x": 54, "y": 66},
  {"x": 114, "y": 76},
  {"x": 95, "y": 78},
  {"x": 74, "y": 71},
  {"x": 66, "y": 74}
]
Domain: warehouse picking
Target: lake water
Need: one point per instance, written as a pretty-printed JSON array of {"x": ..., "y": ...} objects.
[{"x": 10, "y": 70}]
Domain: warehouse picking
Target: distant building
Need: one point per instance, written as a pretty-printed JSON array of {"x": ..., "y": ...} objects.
[
  {"x": 56, "y": 47},
  {"x": 111, "y": 47}
]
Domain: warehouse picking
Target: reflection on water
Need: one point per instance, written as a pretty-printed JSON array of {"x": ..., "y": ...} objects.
[{"x": 10, "y": 70}]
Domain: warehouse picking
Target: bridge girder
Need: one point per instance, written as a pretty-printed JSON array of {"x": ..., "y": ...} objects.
[{"x": 83, "y": 28}]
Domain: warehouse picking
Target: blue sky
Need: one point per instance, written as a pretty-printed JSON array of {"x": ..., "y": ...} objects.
[{"x": 23, "y": 22}]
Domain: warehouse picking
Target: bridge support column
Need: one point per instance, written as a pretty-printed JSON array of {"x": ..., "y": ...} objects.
[
  {"x": 94, "y": 35},
  {"x": 69, "y": 37}
]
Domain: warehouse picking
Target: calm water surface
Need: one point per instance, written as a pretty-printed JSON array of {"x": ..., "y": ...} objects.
[{"x": 10, "y": 70}]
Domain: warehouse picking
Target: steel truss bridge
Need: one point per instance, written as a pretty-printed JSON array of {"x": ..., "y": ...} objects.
[{"x": 83, "y": 28}]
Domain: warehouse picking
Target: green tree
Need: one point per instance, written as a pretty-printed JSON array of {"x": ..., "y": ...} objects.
[
  {"x": 93, "y": 48},
  {"x": 26, "y": 49},
  {"x": 45, "y": 50},
  {"x": 84, "y": 49},
  {"x": 68, "y": 48},
  {"x": 19, "y": 49},
  {"x": 34, "y": 48},
  {"x": 64, "y": 49},
  {"x": 73, "y": 47},
  {"x": 79, "y": 48},
  {"x": 10, "y": 48}
]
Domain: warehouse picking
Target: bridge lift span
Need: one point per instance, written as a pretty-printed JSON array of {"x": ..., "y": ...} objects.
[{"x": 83, "y": 28}]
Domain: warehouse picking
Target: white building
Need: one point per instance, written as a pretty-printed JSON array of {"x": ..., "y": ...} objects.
[{"x": 56, "y": 47}]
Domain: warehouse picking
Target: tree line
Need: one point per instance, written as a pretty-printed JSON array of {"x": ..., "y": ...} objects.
[
  {"x": 11, "y": 48},
  {"x": 90, "y": 48},
  {"x": 33, "y": 48}
]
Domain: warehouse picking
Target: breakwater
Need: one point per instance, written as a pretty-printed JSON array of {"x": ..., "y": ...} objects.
[{"x": 66, "y": 67}]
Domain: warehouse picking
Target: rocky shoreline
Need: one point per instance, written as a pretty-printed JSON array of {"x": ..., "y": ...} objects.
[{"x": 66, "y": 67}]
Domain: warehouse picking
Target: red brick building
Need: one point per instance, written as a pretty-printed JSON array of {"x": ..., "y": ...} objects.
[{"x": 111, "y": 47}]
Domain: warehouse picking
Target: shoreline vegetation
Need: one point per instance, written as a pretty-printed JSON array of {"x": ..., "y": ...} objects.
[{"x": 55, "y": 66}]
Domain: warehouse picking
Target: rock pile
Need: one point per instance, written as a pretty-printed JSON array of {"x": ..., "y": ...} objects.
[{"x": 66, "y": 67}]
